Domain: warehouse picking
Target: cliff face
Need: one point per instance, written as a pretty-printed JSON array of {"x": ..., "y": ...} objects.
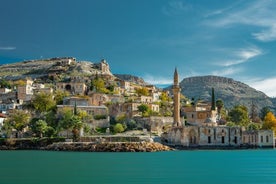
[
  {"x": 65, "y": 66},
  {"x": 230, "y": 91}
]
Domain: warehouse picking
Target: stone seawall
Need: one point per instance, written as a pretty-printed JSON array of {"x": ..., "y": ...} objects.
[
  {"x": 108, "y": 147},
  {"x": 59, "y": 144}
]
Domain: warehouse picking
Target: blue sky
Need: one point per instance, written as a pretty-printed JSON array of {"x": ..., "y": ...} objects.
[{"x": 148, "y": 38}]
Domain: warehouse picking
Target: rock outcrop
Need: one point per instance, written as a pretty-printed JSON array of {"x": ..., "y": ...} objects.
[
  {"x": 131, "y": 78},
  {"x": 109, "y": 147}
]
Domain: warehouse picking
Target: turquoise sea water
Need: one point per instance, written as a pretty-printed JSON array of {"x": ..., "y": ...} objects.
[{"x": 216, "y": 166}]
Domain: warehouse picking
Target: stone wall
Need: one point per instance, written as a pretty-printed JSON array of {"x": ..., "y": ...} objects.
[
  {"x": 265, "y": 138},
  {"x": 220, "y": 136}
]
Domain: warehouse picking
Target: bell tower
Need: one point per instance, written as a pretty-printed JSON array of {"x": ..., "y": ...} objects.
[{"x": 176, "y": 100}]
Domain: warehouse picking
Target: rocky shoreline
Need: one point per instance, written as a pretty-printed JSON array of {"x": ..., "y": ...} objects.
[
  {"x": 141, "y": 146},
  {"x": 109, "y": 147}
]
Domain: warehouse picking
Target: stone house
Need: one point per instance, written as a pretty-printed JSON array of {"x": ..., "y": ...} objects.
[
  {"x": 156, "y": 96},
  {"x": 75, "y": 88},
  {"x": 8, "y": 97},
  {"x": 145, "y": 99},
  {"x": 98, "y": 98},
  {"x": 131, "y": 108},
  {"x": 266, "y": 138},
  {"x": 199, "y": 114},
  {"x": 7, "y": 107},
  {"x": 156, "y": 124},
  {"x": 25, "y": 92},
  {"x": 76, "y": 101},
  {"x": 93, "y": 112},
  {"x": 5, "y": 90},
  {"x": 40, "y": 88}
]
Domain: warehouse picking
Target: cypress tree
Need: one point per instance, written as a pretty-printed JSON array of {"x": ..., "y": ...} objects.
[{"x": 213, "y": 100}]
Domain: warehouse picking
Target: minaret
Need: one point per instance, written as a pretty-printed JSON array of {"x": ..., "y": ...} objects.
[{"x": 176, "y": 100}]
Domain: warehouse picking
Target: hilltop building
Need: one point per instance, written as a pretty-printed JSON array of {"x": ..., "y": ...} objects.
[{"x": 202, "y": 130}]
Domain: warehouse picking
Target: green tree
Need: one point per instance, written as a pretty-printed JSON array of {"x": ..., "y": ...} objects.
[
  {"x": 51, "y": 119},
  {"x": 231, "y": 124},
  {"x": 264, "y": 112},
  {"x": 98, "y": 85},
  {"x": 43, "y": 102},
  {"x": 7, "y": 128},
  {"x": 131, "y": 125},
  {"x": 60, "y": 95},
  {"x": 19, "y": 120},
  {"x": 5, "y": 84},
  {"x": 219, "y": 104},
  {"x": 143, "y": 108},
  {"x": 164, "y": 97},
  {"x": 40, "y": 127},
  {"x": 70, "y": 122},
  {"x": 254, "y": 126},
  {"x": 121, "y": 118},
  {"x": 239, "y": 115},
  {"x": 86, "y": 129},
  {"x": 118, "y": 128},
  {"x": 142, "y": 91}
]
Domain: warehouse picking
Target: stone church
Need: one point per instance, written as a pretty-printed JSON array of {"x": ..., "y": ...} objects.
[{"x": 202, "y": 130}]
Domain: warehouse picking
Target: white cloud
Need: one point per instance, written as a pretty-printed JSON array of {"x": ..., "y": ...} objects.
[
  {"x": 268, "y": 86},
  {"x": 266, "y": 35},
  {"x": 227, "y": 71},
  {"x": 255, "y": 13},
  {"x": 7, "y": 48},
  {"x": 240, "y": 56},
  {"x": 247, "y": 54}
]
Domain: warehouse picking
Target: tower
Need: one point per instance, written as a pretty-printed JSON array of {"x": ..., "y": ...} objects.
[{"x": 176, "y": 100}]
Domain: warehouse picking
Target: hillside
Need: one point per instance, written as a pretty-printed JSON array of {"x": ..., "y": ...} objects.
[
  {"x": 59, "y": 67},
  {"x": 230, "y": 91}
]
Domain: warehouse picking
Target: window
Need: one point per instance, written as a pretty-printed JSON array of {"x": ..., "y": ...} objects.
[
  {"x": 209, "y": 139},
  {"x": 262, "y": 139},
  {"x": 267, "y": 139},
  {"x": 222, "y": 139},
  {"x": 192, "y": 115},
  {"x": 236, "y": 140}
]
